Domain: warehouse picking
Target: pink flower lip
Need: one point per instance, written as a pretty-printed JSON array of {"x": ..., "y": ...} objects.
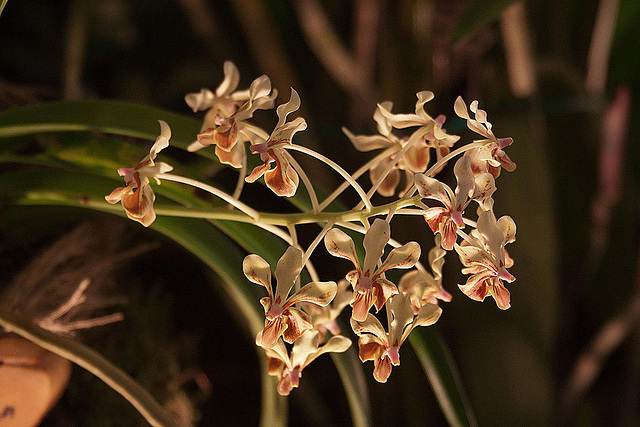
[
  {"x": 456, "y": 216},
  {"x": 505, "y": 275},
  {"x": 394, "y": 355}
]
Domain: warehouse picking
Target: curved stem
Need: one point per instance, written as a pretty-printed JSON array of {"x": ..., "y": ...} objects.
[
  {"x": 316, "y": 241},
  {"x": 364, "y": 168},
  {"x": 240, "y": 184},
  {"x": 216, "y": 192},
  {"x": 414, "y": 138},
  {"x": 338, "y": 169},
  {"x": 305, "y": 179},
  {"x": 440, "y": 163}
]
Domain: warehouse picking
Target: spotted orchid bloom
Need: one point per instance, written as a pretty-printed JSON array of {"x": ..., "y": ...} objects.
[
  {"x": 423, "y": 287},
  {"x": 229, "y": 133},
  {"x": 283, "y": 179},
  {"x": 323, "y": 319},
  {"x": 490, "y": 157},
  {"x": 429, "y": 134},
  {"x": 384, "y": 347},
  {"x": 368, "y": 281},
  {"x": 282, "y": 317},
  {"x": 448, "y": 219},
  {"x": 305, "y": 350},
  {"x": 137, "y": 197},
  {"x": 486, "y": 259}
]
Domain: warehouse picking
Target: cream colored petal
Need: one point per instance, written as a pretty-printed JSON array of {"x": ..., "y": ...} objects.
[
  {"x": 336, "y": 344},
  {"x": 428, "y": 315},
  {"x": 401, "y": 121},
  {"x": 488, "y": 228},
  {"x": 287, "y": 271},
  {"x": 374, "y": 242},
  {"x": 405, "y": 256},
  {"x": 258, "y": 271},
  {"x": 283, "y": 179},
  {"x": 466, "y": 179},
  {"x": 231, "y": 79},
  {"x": 508, "y": 228},
  {"x": 339, "y": 244},
  {"x": 384, "y": 127},
  {"x": 319, "y": 293},
  {"x": 402, "y": 315},
  {"x": 200, "y": 101},
  {"x": 367, "y": 142},
  {"x": 371, "y": 325},
  {"x": 285, "y": 109},
  {"x": 431, "y": 188}
]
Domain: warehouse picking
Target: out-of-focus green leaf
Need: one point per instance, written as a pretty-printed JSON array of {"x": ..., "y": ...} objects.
[
  {"x": 477, "y": 14},
  {"x": 443, "y": 377}
]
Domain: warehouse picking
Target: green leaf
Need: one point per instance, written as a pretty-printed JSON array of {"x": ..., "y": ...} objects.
[
  {"x": 93, "y": 362},
  {"x": 476, "y": 15},
  {"x": 443, "y": 377}
]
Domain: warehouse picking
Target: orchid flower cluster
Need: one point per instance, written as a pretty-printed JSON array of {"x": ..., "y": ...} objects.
[{"x": 301, "y": 321}]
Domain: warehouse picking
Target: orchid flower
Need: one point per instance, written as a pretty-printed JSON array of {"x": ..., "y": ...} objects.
[
  {"x": 490, "y": 157},
  {"x": 384, "y": 347},
  {"x": 224, "y": 101},
  {"x": 283, "y": 179},
  {"x": 416, "y": 159},
  {"x": 323, "y": 319},
  {"x": 423, "y": 287},
  {"x": 282, "y": 318},
  {"x": 138, "y": 196},
  {"x": 228, "y": 133},
  {"x": 448, "y": 219},
  {"x": 305, "y": 350},
  {"x": 486, "y": 259},
  {"x": 369, "y": 283}
]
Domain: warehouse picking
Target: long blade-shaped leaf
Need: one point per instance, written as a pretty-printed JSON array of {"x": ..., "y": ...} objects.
[{"x": 443, "y": 377}]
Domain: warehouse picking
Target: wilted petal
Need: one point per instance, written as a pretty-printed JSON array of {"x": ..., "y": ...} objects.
[
  {"x": 339, "y": 244},
  {"x": 401, "y": 121}
]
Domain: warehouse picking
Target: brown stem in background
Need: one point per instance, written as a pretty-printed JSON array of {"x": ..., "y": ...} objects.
[
  {"x": 264, "y": 43},
  {"x": 329, "y": 49},
  {"x": 517, "y": 49},
  {"x": 610, "y": 169},
  {"x": 589, "y": 364},
  {"x": 599, "y": 51},
  {"x": 75, "y": 49},
  {"x": 205, "y": 25}
]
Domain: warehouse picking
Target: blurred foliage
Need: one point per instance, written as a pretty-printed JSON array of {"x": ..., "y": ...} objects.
[{"x": 514, "y": 364}]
